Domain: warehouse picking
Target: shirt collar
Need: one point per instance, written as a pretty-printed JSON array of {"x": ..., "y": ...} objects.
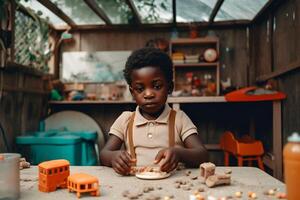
[{"x": 163, "y": 118}]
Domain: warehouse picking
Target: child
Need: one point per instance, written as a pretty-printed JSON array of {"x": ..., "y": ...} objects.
[{"x": 153, "y": 134}]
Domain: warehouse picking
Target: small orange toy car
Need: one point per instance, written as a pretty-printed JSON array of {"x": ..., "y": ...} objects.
[
  {"x": 53, "y": 174},
  {"x": 82, "y": 183}
]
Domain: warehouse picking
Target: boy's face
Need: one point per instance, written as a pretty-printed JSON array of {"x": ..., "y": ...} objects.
[{"x": 149, "y": 88}]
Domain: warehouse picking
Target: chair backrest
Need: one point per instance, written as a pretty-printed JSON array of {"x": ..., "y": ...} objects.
[
  {"x": 243, "y": 147},
  {"x": 250, "y": 149},
  {"x": 228, "y": 142}
]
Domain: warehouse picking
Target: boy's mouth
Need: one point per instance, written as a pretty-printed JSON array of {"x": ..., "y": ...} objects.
[{"x": 150, "y": 104}]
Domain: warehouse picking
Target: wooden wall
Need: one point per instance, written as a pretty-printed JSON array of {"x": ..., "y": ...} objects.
[
  {"x": 23, "y": 103},
  {"x": 275, "y": 47},
  {"x": 234, "y": 56}
]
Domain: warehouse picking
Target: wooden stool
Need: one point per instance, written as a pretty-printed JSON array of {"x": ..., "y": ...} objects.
[{"x": 246, "y": 149}]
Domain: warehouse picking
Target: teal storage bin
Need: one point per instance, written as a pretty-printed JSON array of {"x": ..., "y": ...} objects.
[
  {"x": 88, "y": 151},
  {"x": 40, "y": 149},
  {"x": 77, "y": 147}
]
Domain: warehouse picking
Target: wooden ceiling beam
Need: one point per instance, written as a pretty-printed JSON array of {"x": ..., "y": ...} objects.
[
  {"x": 163, "y": 26},
  {"x": 174, "y": 12},
  {"x": 94, "y": 6},
  {"x": 215, "y": 11},
  {"x": 53, "y": 8},
  {"x": 134, "y": 11}
]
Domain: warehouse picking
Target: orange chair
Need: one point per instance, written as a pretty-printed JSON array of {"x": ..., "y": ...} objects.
[{"x": 245, "y": 149}]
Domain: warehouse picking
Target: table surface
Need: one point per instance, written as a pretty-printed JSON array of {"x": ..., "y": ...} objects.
[{"x": 112, "y": 185}]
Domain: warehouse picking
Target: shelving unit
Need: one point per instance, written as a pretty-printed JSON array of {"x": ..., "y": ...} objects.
[{"x": 201, "y": 68}]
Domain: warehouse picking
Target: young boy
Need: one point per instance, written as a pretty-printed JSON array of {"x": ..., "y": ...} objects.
[{"x": 154, "y": 133}]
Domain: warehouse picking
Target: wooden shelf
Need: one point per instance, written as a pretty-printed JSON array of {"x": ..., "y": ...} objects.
[
  {"x": 202, "y": 64},
  {"x": 203, "y": 40},
  {"x": 211, "y": 99},
  {"x": 199, "y": 70}
]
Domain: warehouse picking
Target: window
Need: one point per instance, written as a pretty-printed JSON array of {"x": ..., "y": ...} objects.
[
  {"x": 89, "y": 186},
  {"x": 33, "y": 48},
  {"x": 66, "y": 168},
  {"x": 60, "y": 169},
  {"x": 50, "y": 171},
  {"x": 55, "y": 171}
]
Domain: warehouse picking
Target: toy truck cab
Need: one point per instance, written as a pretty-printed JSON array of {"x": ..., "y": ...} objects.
[
  {"x": 53, "y": 174},
  {"x": 83, "y": 183}
]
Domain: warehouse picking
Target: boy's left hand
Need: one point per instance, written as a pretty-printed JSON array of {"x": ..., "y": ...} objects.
[{"x": 168, "y": 159}]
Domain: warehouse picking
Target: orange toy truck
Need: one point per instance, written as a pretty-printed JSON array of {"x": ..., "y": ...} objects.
[
  {"x": 53, "y": 174},
  {"x": 82, "y": 183}
]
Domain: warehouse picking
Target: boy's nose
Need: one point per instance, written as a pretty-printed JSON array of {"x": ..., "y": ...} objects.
[{"x": 148, "y": 94}]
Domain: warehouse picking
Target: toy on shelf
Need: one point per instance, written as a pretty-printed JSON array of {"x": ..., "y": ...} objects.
[
  {"x": 53, "y": 174},
  {"x": 83, "y": 183},
  {"x": 254, "y": 94}
]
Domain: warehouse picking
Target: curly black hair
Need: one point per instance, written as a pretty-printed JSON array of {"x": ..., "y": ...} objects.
[{"x": 149, "y": 56}]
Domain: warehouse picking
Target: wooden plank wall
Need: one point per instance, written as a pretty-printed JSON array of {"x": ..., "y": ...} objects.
[
  {"x": 23, "y": 103},
  {"x": 234, "y": 56},
  {"x": 278, "y": 52}
]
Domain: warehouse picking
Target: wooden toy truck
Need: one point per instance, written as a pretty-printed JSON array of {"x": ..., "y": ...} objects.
[
  {"x": 53, "y": 174},
  {"x": 83, "y": 183}
]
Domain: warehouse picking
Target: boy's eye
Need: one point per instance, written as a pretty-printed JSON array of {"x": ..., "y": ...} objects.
[
  {"x": 157, "y": 87},
  {"x": 139, "y": 89}
]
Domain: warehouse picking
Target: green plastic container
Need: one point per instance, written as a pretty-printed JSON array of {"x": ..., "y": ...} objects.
[{"x": 76, "y": 147}]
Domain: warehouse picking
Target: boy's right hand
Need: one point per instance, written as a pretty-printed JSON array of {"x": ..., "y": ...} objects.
[{"x": 121, "y": 162}]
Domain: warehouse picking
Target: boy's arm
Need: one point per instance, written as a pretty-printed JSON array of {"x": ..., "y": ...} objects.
[
  {"x": 112, "y": 145},
  {"x": 194, "y": 152},
  {"x": 112, "y": 156}
]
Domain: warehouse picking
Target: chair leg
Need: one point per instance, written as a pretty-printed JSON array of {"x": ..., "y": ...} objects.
[
  {"x": 260, "y": 163},
  {"x": 226, "y": 158},
  {"x": 240, "y": 161}
]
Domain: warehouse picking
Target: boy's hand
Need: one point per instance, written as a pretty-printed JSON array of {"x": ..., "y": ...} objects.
[
  {"x": 121, "y": 162},
  {"x": 168, "y": 159}
]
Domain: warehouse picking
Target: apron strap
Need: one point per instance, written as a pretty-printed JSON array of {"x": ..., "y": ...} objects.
[
  {"x": 130, "y": 138},
  {"x": 172, "y": 128},
  {"x": 172, "y": 116}
]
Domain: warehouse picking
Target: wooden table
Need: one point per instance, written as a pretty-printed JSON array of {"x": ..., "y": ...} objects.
[{"x": 112, "y": 185}]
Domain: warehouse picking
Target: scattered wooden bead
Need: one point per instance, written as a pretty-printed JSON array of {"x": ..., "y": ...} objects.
[
  {"x": 281, "y": 195},
  {"x": 196, "y": 197},
  {"x": 186, "y": 188},
  {"x": 188, "y": 172},
  {"x": 159, "y": 188},
  {"x": 238, "y": 194},
  {"x": 200, "y": 189},
  {"x": 252, "y": 195},
  {"x": 125, "y": 193},
  {"x": 270, "y": 192},
  {"x": 228, "y": 171},
  {"x": 169, "y": 197},
  {"x": 211, "y": 198}
]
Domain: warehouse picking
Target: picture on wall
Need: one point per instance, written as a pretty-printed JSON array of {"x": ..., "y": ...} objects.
[{"x": 99, "y": 66}]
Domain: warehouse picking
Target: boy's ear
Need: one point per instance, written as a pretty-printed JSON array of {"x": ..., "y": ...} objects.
[
  {"x": 171, "y": 87},
  {"x": 131, "y": 91}
]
